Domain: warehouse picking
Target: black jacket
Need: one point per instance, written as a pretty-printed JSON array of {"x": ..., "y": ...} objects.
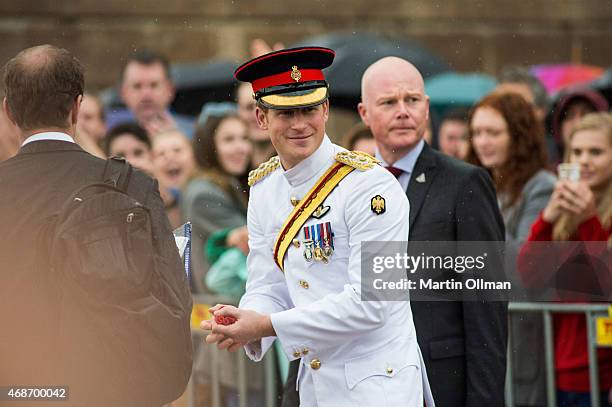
[
  {"x": 33, "y": 185},
  {"x": 463, "y": 343}
]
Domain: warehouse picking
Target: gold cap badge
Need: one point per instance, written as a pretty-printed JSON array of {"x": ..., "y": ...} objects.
[{"x": 296, "y": 75}]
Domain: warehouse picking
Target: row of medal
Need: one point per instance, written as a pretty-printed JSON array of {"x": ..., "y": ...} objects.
[{"x": 318, "y": 242}]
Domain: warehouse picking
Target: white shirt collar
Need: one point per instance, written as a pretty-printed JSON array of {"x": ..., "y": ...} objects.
[
  {"x": 49, "y": 135},
  {"x": 312, "y": 165}
]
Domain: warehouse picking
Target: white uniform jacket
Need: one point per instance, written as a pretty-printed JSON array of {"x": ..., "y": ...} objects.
[{"x": 354, "y": 353}]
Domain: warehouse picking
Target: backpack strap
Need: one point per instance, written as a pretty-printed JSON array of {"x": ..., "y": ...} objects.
[{"x": 117, "y": 172}]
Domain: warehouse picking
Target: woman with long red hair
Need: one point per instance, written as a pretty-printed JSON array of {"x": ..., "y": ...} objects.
[{"x": 508, "y": 140}]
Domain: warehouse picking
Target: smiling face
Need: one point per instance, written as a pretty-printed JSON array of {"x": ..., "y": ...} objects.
[
  {"x": 295, "y": 133},
  {"x": 394, "y": 106},
  {"x": 591, "y": 149},
  {"x": 490, "y": 137},
  {"x": 135, "y": 151},
  {"x": 233, "y": 146},
  {"x": 172, "y": 159}
]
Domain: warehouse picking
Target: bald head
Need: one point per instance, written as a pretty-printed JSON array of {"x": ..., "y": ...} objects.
[
  {"x": 42, "y": 85},
  {"x": 394, "y": 106},
  {"x": 38, "y": 56},
  {"x": 390, "y": 70}
]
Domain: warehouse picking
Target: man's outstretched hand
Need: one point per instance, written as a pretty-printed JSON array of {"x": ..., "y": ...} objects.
[{"x": 231, "y": 328}]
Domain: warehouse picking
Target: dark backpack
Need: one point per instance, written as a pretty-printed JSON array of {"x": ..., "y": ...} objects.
[{"x": 121, "y": 323}]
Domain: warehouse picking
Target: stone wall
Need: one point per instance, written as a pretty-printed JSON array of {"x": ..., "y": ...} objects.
[{"x": 472, "y": 35}]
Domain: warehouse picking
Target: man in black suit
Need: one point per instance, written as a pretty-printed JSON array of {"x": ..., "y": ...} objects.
[
  {"x": 463, "y": 343},
  {"x": 44, "y": 88}
]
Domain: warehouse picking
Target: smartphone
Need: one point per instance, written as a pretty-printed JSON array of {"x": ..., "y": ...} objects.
[{"x": 569, "y": 171}]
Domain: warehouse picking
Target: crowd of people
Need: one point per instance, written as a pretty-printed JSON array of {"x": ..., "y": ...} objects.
[{"x": 493, "y": 177}]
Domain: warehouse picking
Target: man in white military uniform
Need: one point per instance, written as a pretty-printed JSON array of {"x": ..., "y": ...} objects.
[{"x": 310, "y": 209}]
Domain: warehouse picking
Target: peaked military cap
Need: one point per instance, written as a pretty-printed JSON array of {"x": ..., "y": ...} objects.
[{"x": 289, "y": 78}]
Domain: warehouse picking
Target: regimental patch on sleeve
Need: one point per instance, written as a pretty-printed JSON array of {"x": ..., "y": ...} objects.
[
  {"x": 357, "y": 159},
  {"x": 377, "y": 204},
  {"x": 263, "y": 170}
]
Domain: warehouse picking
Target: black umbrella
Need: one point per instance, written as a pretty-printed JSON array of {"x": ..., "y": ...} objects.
[
  {"x": 356, "y": 51},
  {"x": 196, "y": 84},
  {"x": 200, "y": 83},
  {"x": 603, "y": 85}
]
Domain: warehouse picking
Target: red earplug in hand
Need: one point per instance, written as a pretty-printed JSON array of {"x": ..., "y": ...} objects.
[{"x": 221, "y": 320}]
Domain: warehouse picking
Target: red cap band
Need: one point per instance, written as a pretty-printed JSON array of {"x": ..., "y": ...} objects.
[{"x": 285, "y": 78}]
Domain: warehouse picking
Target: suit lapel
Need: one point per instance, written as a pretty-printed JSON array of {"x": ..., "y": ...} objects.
[{"x": 421, "y": 178}]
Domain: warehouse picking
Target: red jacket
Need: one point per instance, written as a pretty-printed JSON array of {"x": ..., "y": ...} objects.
[{"x": 571, "y": 352}]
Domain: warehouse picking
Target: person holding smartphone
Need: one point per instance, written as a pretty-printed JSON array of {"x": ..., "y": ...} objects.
[{"x": 580, "y": 209}]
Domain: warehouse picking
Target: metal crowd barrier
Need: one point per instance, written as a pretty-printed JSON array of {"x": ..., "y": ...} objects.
[
  {"x": 546, "y": 309},
  {"x": 269, "y": 361}
]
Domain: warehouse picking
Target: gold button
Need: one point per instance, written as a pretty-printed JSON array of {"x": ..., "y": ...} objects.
[
  {"x": 296, "y": 354},
  {"x": 305, "y": 351},
  {"x": 389, "y": 370},
  {"x": 315, "y": 364},
  {"x": 304, "y": 284},
  {"x": 294, "y": 201},
  {"x": 296, "y": 243}
]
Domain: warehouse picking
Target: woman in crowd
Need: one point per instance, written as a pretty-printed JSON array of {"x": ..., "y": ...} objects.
[
  {"x": 579, "y": 211},
  {"x": 173, "y": 164},
  {"x": 130, "y": 141},
  {"x": 572, "y": 106},
  {"x": 216, "y": 197},
  {"x": 508, "y": 140},
  {"x": 215, "y": 201}
]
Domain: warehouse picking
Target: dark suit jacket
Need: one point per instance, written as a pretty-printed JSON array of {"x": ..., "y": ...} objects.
[
  {"x": 33, "y": 185},
  {"x": 463, "y": 343}
]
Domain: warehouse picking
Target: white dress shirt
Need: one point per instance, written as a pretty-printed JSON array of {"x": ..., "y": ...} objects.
[{"x": 406, "y": 163}]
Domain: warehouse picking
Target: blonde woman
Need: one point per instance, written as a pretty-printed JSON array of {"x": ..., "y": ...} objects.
[{"x": 579, "y": 211}]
